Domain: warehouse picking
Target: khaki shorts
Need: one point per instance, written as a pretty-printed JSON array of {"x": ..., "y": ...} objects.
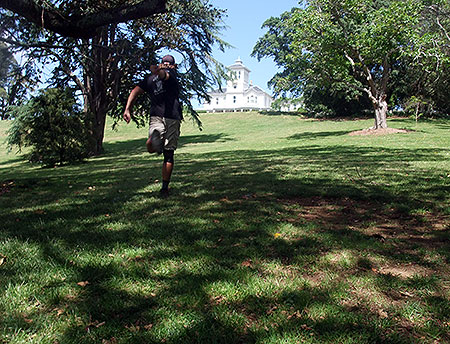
[{"x": 168, "y": 128}]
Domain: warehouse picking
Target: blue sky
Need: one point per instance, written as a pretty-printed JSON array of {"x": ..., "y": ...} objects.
[{"x": 244, "y": 20}]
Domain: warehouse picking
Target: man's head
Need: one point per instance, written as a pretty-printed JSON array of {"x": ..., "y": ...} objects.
[{"x": 168, "y": 60}]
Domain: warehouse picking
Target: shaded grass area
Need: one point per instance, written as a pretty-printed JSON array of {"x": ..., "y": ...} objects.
[{"x": 277, "y": 231}]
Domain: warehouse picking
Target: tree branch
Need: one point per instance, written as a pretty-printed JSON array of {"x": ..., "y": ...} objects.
[
  {"x": 369, "y": 77},
  {"x": 443, "y": 29},
  {"x": 33, "y": 45},
  {"x": 348, "y": 84},
  {"x": 77, "y": 25}
]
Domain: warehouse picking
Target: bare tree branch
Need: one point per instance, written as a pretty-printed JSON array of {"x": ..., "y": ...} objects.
[{"x": 78, "y": 25}]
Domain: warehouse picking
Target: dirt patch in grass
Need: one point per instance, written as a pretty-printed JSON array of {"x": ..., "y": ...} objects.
[
  {"x": 402, "y": 234},
  {"x": 379, "y": 132}
]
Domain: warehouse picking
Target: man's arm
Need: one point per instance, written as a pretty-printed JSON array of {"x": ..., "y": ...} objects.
[
  {"x": 130, "y": 102},
  {"x": 162, "y": 71}
]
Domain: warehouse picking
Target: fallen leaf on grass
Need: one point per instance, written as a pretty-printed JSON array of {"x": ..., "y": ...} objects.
[
  {"x": 2, "y": 259},
  {"x": 28, "y": 321},
  {"x": 247, "y": 263},
  {"x": 83, "y": 284},
  {"x": 271, "y": 310},
  {"x": 148, "y": 327},
  {"x": 277, "y": 235},
  {"x": 113, "y": 340},
  {"x": 95, "y": 324},
  {"x": 306, "y": 327},
  {"x": 383, "y": 314},
  {"x": 295, "y": 315},
  {"x": 59, "y": 311}
]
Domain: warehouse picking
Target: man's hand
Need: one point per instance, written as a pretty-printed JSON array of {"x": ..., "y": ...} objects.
[
  {"x": 167, "y": 66},
  {"x": 127, "y": 116},
  {"x": 131, "y": 99}
]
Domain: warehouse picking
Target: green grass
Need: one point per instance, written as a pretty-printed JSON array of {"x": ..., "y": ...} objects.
[{"x": 278, "y": 230}]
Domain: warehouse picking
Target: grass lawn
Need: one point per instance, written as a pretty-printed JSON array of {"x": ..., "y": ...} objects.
[{"x": 278, "y": 230}]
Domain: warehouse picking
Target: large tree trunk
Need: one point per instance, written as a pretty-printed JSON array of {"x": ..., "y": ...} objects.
[
  {"x": 377, "y": 93},
  {"x": 381, "y": 109},
  {"x": 97, "y": 85},
  {"x": 96, "y": 124}
]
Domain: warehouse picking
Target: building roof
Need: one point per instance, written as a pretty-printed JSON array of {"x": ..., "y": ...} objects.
[
  {"x": 238, "y": 64},
  {"x": 218, "y": 92},
  {"x": 256, "y": 89}
]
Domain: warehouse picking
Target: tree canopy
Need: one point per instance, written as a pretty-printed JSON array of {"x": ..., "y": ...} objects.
[
  {"x": 356, "y": 47},
  {"x": 104, "y": 67},
  {"x": 80, "y": 19}
]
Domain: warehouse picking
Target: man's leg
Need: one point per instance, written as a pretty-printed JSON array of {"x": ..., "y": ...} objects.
[
  {"x": 149, "y": 146},
  {"x": 172, "y": 132},
  {"x": 167, "y": 169},
  {"x": 155, "y": 135},
  {"x": 155, "y": 142}
]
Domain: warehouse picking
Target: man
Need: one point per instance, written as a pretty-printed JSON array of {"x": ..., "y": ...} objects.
[{"x": 165, "y": 113}]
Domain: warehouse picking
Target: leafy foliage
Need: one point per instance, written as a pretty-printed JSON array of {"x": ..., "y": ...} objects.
[
  {"x": 324, "y": 102},
  {"x": 13, "y": 81},
  {"x": 347, "y": 47},
  {"x": 105, "y": 68},
  {"x": 52, "y": 124},
  {"x": 428, "y": 78}
]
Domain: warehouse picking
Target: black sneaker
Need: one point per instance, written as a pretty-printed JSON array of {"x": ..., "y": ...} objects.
[
  {"x": 164, "y": 193},
  {"x": 156, "y": 141}
]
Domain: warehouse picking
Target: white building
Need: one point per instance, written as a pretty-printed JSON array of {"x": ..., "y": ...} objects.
[{"x": 240, "y": 94}]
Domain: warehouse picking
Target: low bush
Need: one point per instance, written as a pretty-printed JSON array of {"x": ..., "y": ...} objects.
[{"x": 52, "y": 124}]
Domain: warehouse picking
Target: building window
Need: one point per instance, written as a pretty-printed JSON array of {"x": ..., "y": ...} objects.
[
  {"x": 217, "y": 101},
  {"x": 234, "y": 99},
  {"x": 239, "y": 74}
]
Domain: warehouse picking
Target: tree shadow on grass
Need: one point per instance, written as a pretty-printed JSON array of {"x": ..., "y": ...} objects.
[
  {"x": 137, "y": 146},
  {"x": 129, "y": 147},
  {"x": 437, "y": 123},
  {"x": 281, "y": 113},
  {"x": 199, "y": 139},
  {"x": 206, "y": 265},
  {"x": 316, "y": 135}
]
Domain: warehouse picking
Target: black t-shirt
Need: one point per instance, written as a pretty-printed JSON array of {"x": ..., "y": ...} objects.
[{"x": 164, "y": 95}]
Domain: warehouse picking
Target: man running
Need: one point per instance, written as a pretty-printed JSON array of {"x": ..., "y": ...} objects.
[{"x": 165, "y": 113}]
